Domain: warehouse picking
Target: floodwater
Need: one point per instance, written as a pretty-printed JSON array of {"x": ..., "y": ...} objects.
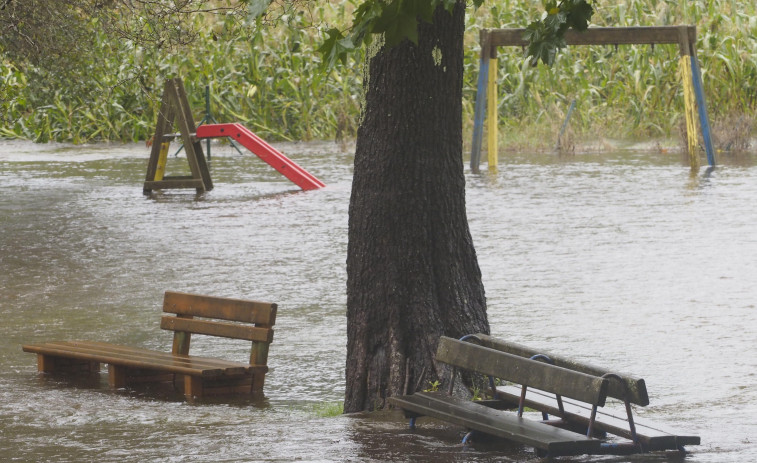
[{"x": 620, "y": 259}]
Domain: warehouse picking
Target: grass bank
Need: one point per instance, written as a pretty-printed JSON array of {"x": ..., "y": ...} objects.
[{"x": 269, "y": 79}]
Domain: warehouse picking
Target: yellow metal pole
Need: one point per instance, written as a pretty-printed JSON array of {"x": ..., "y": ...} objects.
[
  {"x": 162, "y": 158},
  {"x": 689, "y": 99},
  {"x": 491, "y": 109}
]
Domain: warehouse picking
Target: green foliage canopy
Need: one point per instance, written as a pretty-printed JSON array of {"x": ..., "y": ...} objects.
[
  {"x": 547, "y": 35},
  {"x": 398, "y": 20}
]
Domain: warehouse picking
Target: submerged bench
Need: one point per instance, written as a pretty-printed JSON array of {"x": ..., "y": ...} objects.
[
  {"x": 193, "y": 375},
  {"x": 571, "y": 391}
]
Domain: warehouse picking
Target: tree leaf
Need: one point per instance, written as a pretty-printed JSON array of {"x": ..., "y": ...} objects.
[
  {"x": 335, "y": 48},
  {"x": 580, "y": 16},
  {"x": 256, "y": 8},
  {"x": 545, "y": 37},
  {"x": 403, "y": 27}
]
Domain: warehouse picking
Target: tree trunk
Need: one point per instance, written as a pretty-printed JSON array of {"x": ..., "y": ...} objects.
[{"x": 412, "y": 272}]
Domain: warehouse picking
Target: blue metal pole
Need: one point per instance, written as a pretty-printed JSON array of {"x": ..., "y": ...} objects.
[
  {"x": 565, "y": 122},
  {"x": 704, "y": 121},
  {"x": 479, "y": 114}
]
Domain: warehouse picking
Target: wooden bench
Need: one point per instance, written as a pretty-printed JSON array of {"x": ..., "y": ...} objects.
[
  {"x": 194, "y": 376},
  {"x": 571, "y": 391}
]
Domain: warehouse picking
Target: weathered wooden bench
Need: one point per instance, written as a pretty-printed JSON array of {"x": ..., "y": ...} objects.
[
  {"x": 193, "y": 375},
  {"x": 571, "y": 391}
]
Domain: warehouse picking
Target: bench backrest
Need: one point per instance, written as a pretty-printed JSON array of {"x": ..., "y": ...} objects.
[
  {"x": 252, "y": 321},
  {"x": 568, "y": 383},
  {"x": 636, "y": 387}
]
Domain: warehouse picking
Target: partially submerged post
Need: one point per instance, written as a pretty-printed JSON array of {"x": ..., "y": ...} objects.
[
  {"x": 684, "y": 36},
  {"x": 175, "y": 108},
  {"x": 480, "y": 108},
  {"x": 689, "y": 65}
]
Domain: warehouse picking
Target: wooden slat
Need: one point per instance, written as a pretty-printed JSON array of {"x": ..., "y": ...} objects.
[
  {"x": 164, "y": 123},
  {"x": 137, "y": 376},
  {"x": 496, "y": 423},
  {"x": 185, "y": 123},
  {"x": 213, "y": 328},
  {"x": 50, "y": 364},
  {"x": 218, "y": 386},
  {"x": 219, "y": 307},
  {"x": 577, "y": 385},
  {"x": 196, "y": 145},
  {"x": 228, "y": 390},
  {"x": 192, "y": 146},
  {"x": 146, "y": 360},
  {"x": 173, "y": 182},
  {"x": 209, "y": 364},
  {"x": 636, "y": 386},
  {"x": 611, "y": 421},
  {"x": 601, "y": 36},
  {"x": 116, "y": 349},
  {"x": 142, "y": 358}
]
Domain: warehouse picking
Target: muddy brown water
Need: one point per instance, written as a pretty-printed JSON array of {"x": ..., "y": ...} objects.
[{"x": 620, "y": 259}]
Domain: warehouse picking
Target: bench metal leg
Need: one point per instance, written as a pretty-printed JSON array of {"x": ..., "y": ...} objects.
[
  {"x": 629, "y": 411},
  {"x": 522, "y": 401}
]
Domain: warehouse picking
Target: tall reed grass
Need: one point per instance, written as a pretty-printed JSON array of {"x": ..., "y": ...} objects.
[{"x": 270, "y": 79}]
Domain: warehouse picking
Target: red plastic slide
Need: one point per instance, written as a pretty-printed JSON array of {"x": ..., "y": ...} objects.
[{"x": 263, "y": 150}]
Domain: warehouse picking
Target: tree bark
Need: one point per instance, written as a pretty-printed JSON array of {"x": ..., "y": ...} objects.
[{"x": 412, "y": 272}]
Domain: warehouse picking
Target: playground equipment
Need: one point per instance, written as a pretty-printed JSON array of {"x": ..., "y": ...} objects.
[
  {"x": 684, "y": 36},
  {"x": 175, "y": 108},
  {"x": 207, "y": 119}
]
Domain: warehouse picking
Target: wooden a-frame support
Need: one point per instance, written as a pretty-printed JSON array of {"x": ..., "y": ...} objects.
[{"x": 175, "y": 108}]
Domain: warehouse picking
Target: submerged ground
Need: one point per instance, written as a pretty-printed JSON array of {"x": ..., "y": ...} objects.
[{"x": 621, "y": 259}]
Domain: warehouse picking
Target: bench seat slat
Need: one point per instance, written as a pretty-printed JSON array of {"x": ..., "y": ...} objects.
[
  {"x": 651, "y": 438},
  {"x": 143, "y": 358},
  {"x": 195, "y": 359},
  {"x": 116, "y": 349},
  {"x": 521, "y": 370},
  {"x": 494, "y": 422},
  {"x": 636, "y": 385},
  {"x": 263, "y": 313}
]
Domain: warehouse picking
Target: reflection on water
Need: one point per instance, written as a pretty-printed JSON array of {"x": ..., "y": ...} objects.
[{"x": 620, "y": 259}]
